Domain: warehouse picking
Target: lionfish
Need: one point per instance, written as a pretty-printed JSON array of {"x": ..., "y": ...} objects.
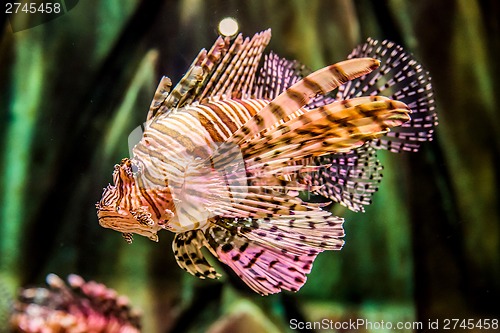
[
  {"x": 78, "y": 306},
  {"x": 227, "y": 154}
]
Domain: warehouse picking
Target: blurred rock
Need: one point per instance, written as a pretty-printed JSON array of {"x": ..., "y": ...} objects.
[{"x": 245, "y": 317}]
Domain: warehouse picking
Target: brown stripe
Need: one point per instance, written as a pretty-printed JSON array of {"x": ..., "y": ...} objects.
[
  {"x": 249, "y": 107},
  {"x": 208, "y": 126},
  {"x": 277, "y": 110},
  {"x": 238, "y": 111},
  {"x": 146, "y": 196},
  {"x": 339, "y": 73},
  {"x": 312, "y": 85},
  {"x": 184, "y": 140},
  {"x": 223, "y": 117}
]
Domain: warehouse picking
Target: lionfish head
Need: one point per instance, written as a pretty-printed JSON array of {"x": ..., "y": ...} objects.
[{"x": 124, "y": 208}]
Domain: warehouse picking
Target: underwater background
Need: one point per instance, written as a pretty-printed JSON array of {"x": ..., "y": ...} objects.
[{"x": 73, "y": 88}]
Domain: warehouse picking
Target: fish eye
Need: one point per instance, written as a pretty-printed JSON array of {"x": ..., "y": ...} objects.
[{"x": 135, "y": 169}]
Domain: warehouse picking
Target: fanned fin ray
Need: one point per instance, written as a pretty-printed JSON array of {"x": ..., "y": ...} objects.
[
  {"x": 271, "y": 255},
  {"x": 337, "y": 127},
  {"x": 299, "y": 94},
  {"x": 278, "y": 74},
  {"x": 402, "y": 78},
  {"x": 350, "y": 179},
  {"x": 227, "y": 69},
  {"x": 268, "y": 159},
  {"x": 234, "y": 74}
]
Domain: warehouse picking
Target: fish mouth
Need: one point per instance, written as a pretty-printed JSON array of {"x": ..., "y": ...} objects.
[{"x": 111, "y": 218}]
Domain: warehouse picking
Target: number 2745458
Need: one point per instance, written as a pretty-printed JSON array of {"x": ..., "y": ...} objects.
[{"x": 32, "y": 7}]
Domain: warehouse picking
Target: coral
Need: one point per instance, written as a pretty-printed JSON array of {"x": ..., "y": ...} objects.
[{"x": 78, "y": 306}]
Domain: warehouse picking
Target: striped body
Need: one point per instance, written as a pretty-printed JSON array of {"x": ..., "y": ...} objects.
[
  {"x": 192, "y": 134},
  {"x": 225, "y": 153}
]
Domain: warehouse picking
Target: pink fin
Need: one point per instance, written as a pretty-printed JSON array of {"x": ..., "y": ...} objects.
[
  {"x": 267, "y": 271},
  {"x": 271, "y": 255}
]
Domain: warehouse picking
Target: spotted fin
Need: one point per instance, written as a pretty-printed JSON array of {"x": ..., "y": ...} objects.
[
  {"x": 271, "y": 255},
  {"x": 278, "y": 74},
  {"x": 299, "y": 94},
  {"x": 337, "y": 127},
  {"x": 288, "y": 103},
  {"x": 295, "y": 235},
  {"x": 350, "y": 178},
  {"x": 402, "y": 78},
  {"x": 267, "y": 201},
  {"x": 265, "y": 270},
  {"x": 187, "y": 250}
]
